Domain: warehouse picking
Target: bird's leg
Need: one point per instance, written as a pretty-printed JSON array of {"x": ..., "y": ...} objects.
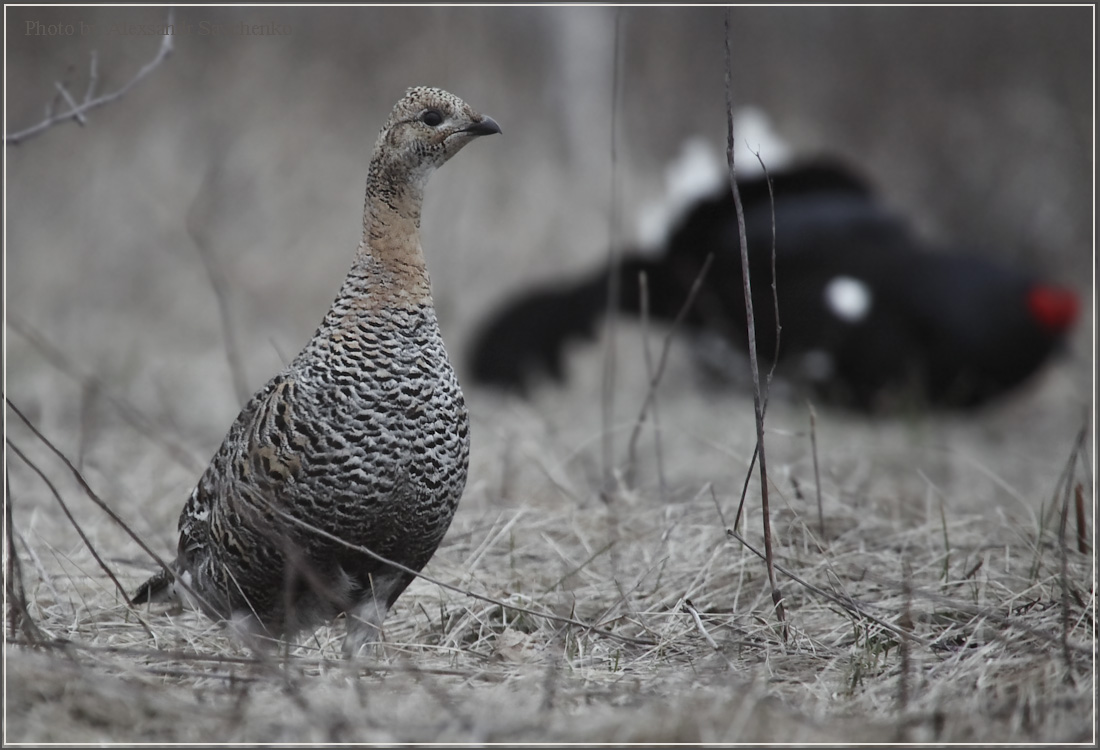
[
  {"x": 365, "y": 624},
  {"x": 251, "y": 633}
]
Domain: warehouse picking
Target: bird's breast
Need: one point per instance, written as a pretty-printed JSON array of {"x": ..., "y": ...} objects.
[{"x": 389, "y": 413}]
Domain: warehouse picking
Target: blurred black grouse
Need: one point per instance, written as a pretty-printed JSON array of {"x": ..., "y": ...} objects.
[{"x": 871, "y": 317}]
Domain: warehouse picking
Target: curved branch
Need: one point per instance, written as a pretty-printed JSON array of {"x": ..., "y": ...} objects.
[{"x": 78, "y": 111}]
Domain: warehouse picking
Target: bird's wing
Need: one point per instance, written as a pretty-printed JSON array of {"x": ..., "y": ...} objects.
[
  {"x": 259, "y": 459},
  {"x": 270, "y": 444}
]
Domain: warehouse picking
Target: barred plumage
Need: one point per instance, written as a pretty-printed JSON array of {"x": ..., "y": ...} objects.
[{"x": 361, "y": 442}]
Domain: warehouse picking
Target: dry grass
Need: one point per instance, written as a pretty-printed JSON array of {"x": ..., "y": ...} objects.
[
  {"x": 985, "y": 662},
  {"x": 946, "y": 527}
]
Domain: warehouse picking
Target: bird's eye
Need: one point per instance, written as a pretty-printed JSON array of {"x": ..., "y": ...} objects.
[{"x": 431, "y": 117}]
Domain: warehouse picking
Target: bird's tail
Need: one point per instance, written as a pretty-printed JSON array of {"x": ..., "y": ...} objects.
[
  {"x": 156, "y": 589},
  {"x": 525, "y": 337}
]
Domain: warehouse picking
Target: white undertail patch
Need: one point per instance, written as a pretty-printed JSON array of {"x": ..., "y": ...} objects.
[
  {"x": 695, "y": 174},
  {"x": 847, "y": 298},
  {"x": 700, "y": 170}
]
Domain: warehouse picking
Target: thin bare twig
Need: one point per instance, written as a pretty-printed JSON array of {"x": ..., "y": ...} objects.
[
  {"x": 745, "y": 486},
  {"x": 614, "y": 264},
  {"x": 848, "y": 603},
  {"x": 197, "y": 216},
  {"x": 179, "y": 581},
  {"x": 978, "y": 613},
  {"x": 78, "y": 111},
  {"x": 1065, "y": 478},
  {"x": 578, "y": 568},
  {"x": 93, "y": 77},
  {"x": 1082, "y": 523},
  {"x": 624, "y": 598},
  {"x": 775, "y": 281},
  {"x": 943, "y": 524},
  {"x": 631, "y": 448},
  {"x": 662, "y": 362},
  {"x": 130, "y": 414},
  {"x": 691, "y": 610},
  {"x": 88, "y": 490},
  {"x": 1085, "y": 462},
  {"x": 1063, "y": 581},
  {"x": 78, "y": 115},
  {"x": 717, "y": 505},
  {"x": 906, "y": 622},
  {"x": 778, "y": 333},
  {"x": 777, "y": 596},
  {"x": 817, "y": 473},
  {"x": 1063, "y": 553},
  {"x": 778, "y": 328},
  {"x": 449, "y": 586},
  {"x": 19, "y": 615},
  {"x": 643, "y": 284},
  {"x": 76, "y": 525}
]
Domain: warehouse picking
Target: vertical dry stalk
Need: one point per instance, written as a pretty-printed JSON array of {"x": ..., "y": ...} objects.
[
  {"x": 76, "y": 524},
  {"x": 18, "y": 614},
  {"x": 1063, "y": 579},
  {"x": 655, "y": 376},
  {"x": 88, "y": 396},
  {"x": 1063, "y": 552},
  {"x": 777, "y": 597},
  {"x": 198, "y": 218},
  {"x": 650, "y": 400},
  {"x": 614, "y": 261},
  {"x": 507, "y": 469},
  {"x": 1085, "y": 462},
  {"x": 817, "y": 472},
  {"x": 778, "y": 334},
  {"x": 93, "y": 77},
  {"x": 905, "y": 622},
  {"x": 1061, "y": 488},
  {"x": 1082, "y": 523},
  {"x": 89, "y": 491},
  {"x": 775, "y": 282},
  {"x": 632, "y": 444},
  {"x": 745, "y": 486},
  {"x": 717, "y": 505}
]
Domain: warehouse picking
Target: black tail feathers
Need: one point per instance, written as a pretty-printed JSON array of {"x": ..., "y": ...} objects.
[
  {"x": 156, "y": 589},
  {"x": 526, "y": 337}
]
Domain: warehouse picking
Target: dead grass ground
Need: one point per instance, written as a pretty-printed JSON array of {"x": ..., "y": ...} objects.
[
  {"x": 961, "y": 509},
  {"x": 984, "y": 565}
]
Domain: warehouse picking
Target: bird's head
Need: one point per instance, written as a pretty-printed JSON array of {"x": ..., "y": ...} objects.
[
  {"x": 426, "y": 128},
  {"x": 1054, "y": 308}
]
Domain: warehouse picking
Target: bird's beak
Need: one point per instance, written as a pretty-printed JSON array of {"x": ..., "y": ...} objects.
[{"x": 486, "y": 126}]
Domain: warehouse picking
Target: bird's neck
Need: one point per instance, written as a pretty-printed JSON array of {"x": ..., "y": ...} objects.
[{"x": 389, "y": 268}]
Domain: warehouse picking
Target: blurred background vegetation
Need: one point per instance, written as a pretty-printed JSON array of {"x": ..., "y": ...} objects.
[{"x": 976, "y": 122}]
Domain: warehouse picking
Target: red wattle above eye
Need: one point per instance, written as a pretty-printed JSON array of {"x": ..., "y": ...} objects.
[{"x": 1054, "y": 308}]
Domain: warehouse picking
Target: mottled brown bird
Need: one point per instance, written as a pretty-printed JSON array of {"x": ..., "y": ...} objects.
[{"x": 362, "y": 442}]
